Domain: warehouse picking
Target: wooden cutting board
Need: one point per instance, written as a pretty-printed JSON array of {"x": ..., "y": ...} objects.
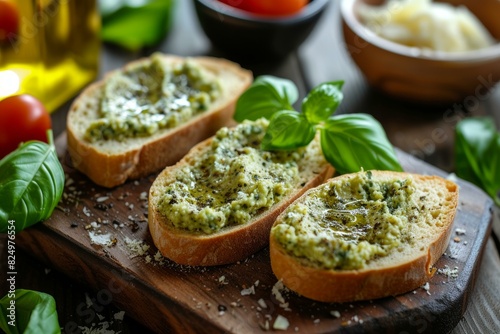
[{"x": 244, "y": 297}]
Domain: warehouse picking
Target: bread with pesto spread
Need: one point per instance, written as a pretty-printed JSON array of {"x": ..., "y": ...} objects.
[
  {"x": 364, "y": 236},
  {"x": 216, "y": 206},
  {"x": 148, "y": 114}
]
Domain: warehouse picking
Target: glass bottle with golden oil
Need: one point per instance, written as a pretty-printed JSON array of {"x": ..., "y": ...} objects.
[{"x": 48, "y": 48}]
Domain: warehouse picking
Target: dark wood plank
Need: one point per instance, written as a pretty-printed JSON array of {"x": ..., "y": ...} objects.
[{"x": 167, "y": 297}]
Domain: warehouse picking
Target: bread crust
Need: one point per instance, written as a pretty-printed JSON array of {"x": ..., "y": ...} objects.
[
  {"x": 110, "y": 169},
  {"x": 229, "y": 245},
  {"x": 373, "y": 282}
]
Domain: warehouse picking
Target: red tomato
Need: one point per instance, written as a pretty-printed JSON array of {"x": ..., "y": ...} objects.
[
  {"x": 22, "y": 118},
  {"x": 268, "y": 7},
  {"x": 9, "y": 20}
]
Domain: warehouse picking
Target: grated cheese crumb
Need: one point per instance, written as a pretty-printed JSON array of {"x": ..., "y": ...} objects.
[
  {"x": 262, "y": 303},
  {"x": 136, "y": 247},
  {"x": 448, "y": 272},
  {"x": 426, "y": 287},
  {"x": 281, "y": 323},
  {"x": 276, "y": 291},
  {"x": 101, "y": 239},
  {"x": 249, "y": 291},
  {"x": 119, "y": 315},
  {"x": 335, "y": 313}
]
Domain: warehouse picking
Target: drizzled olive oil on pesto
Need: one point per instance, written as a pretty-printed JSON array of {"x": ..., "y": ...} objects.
[
  {"x": 146, "y": 98},
  {"x": 346, "y": 224},
  {"x": 232, "y": 182}
]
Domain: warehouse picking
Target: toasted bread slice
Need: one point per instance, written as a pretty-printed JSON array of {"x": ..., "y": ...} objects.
[
  {"x": 233, "y": 242},
  {"x": 307, "y": 264},
  {"x": 111, "y": 162}
]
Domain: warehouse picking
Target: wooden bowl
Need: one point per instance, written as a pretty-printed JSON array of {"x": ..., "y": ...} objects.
[
  {"x": 242, "y": 34},
  {"x": 429, "y": 77}
]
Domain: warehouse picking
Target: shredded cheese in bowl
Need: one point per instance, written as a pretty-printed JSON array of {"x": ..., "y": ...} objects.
[{"x": 427, "y": 25}]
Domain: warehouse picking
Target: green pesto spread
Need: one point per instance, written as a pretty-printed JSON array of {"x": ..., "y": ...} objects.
[
  {"x": 230, "y": 183},
  {"x": 346, "y": 224},
  {"x": 144, "y": 99}
]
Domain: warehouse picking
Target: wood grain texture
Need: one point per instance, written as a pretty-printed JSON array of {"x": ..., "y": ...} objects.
[{"x": 167, "y": 297}]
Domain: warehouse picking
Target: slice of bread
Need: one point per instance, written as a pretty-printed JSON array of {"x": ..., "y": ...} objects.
[
  {"x": 310, "y": 261},
  {"x": 112, "y": 162},
  {"x": 233, "y": 242}
]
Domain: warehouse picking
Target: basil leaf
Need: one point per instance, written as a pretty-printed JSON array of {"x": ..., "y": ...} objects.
[
  {"x": 31, "y": 184},
  {"x": 355, "y": 141},
  {"x": 477, "y": 154},
  {"x": 266, "y": 95},
  {"x": 287, "y": 129},
  {"x": 322, "y": 101},
  {"x": 134, "y": 25},
  {"x": 35, "y": 312}
]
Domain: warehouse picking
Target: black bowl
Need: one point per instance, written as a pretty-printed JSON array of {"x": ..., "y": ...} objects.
[{"x": 245, "y": 35}]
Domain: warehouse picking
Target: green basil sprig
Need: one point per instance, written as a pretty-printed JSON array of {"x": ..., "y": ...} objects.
[
  {"x": 31, "y": 184},
  {"x": 477, "y": 154},
  {"x": 35, "y": 312},
  {"x": 349, "y": 142},
  {"x": 264, "y": 97}
]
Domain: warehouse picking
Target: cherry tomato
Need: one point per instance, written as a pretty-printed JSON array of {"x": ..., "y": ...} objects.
[
  {"x": 22, "y": 118},
  {"x": 268, "y": 7},
  {"x": 9, "y": 20}
]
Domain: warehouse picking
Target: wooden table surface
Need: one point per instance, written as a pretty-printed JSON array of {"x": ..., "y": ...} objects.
[{"x": 322, "y": 57}]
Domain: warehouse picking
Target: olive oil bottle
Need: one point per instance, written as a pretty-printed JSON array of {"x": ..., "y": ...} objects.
[{"x": 50, "y": 50}]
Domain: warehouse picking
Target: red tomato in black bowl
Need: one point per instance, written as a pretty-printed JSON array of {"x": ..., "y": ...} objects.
[
  {"x": 22, "y": 118},
  {"x": 268, "y": 7}
]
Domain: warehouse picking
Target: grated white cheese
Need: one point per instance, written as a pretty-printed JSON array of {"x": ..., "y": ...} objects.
[
  {"x": 86, "y": 211},
  {"x": 448, "y": 272},
  {"x": 427, "y": 25},
  {"x": 102, "y": 199},
  {"x": 100, "y": 239},
  {"x": 249, "y": 291},
  {"x": 119, "y": 315},
  {"x": 426, "y": 287},
  {"x": 335, "y": 313},
  {"x": 276, "y": 291},
  {"x": 281, "y": 323},
  {"x": 136, "y": 247},
  {"x": 262, "y": 303}
]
